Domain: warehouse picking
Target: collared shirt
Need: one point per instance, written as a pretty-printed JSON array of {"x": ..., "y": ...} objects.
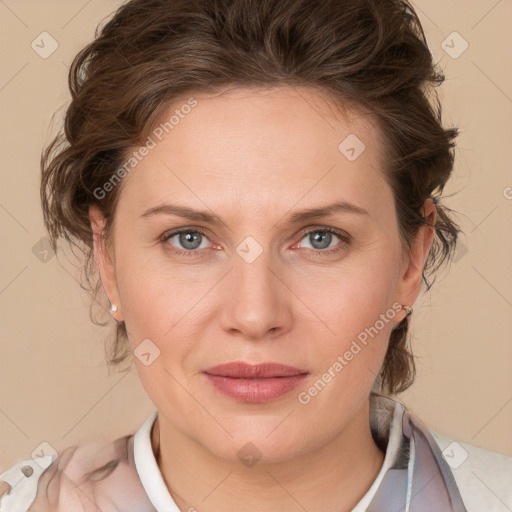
[{"x": 422, "y": 472}]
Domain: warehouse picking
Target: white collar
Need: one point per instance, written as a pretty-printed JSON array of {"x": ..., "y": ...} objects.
[
  {"x": 392, "y": 450},
  {"x": 160, "y": 497},
  {"x": 148, "y": 470}
]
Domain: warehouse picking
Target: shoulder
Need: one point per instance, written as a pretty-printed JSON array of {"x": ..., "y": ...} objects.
[
  {"x": 40, "y": 481},
  {"x": 484, "y": 477}
]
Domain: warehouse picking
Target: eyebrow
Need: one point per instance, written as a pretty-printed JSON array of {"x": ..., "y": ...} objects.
[{"x": 294, "y": 218}]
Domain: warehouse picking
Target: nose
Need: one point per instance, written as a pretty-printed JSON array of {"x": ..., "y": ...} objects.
[{"x": 257, "y": 303}]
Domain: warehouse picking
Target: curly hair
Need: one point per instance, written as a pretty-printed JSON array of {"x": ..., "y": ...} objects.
[{"x": 371, "y": 54}]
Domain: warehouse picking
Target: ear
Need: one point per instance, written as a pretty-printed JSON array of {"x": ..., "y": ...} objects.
[
  {"x": 104, "y": 260},
  {"x": 409, "y": 285}
]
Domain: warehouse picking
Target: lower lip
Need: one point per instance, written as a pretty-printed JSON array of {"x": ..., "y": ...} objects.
[{"x": 256, "y": 390}]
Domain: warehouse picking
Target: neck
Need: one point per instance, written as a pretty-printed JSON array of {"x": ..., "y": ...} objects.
[{"x": 334, "y": 477}]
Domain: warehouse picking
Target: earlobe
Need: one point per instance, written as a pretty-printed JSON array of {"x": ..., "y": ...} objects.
[
  {"x": 104, "y": 260},
  {"x": 410, "y": 281}
]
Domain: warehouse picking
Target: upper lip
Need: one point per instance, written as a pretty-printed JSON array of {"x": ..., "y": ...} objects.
[{"x": 242, "y": 370}]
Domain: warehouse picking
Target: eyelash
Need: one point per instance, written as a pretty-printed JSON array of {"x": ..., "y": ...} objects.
[{"x": 345, "y": 240}]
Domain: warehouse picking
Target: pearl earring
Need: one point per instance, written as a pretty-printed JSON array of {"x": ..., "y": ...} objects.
[{"x": 113, "y": 308}]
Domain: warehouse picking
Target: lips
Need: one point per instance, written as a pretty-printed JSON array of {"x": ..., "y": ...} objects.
[
  {"x": 255, "y": 383},
  {"x": 241, "y": 370}
]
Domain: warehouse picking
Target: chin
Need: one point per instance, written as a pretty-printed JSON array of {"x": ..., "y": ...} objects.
[{"x": 258, "y": 443}]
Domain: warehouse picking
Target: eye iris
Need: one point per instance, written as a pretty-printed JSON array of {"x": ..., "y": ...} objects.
[
  {"x": 323, "y": 236},
  {"x": 189, "y": 239},
  {"x": 192, "y": 239}
]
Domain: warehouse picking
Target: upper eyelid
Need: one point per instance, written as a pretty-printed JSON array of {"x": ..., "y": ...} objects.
[{"x": 302, "y": 233}]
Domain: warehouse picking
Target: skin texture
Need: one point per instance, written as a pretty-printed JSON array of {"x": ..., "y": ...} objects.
[{"x": 253, "y": 157}]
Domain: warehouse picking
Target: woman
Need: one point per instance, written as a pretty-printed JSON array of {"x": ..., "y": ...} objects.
[{"x": 258, "y": 185}]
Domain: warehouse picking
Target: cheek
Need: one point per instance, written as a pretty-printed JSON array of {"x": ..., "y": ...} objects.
[
  {"x": 355, "y": 306},
  {"x": 162, "y": 304},
  {"x": 353, "y": 295},
  {"x": 349, "y": 356},
  {"x": 145, "y": 279}
]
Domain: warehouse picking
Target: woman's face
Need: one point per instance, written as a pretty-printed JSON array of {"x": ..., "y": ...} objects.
[{"x": 251, "y": 278}]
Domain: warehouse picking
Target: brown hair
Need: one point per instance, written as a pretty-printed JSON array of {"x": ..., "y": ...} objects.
[{"x": 368, "y": 53}]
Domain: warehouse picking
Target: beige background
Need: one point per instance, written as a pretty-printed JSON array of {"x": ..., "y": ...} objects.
[{"x": 54, "y": 384}]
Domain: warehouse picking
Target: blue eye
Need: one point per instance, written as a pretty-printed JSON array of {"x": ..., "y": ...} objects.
[
  {"x": 192, "y": 241},
  {"x": 323, "y": 237},
  {"x": 187, "y": 238}
]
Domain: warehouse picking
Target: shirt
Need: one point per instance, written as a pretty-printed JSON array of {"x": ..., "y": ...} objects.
[{"x": 422, "y": 471}]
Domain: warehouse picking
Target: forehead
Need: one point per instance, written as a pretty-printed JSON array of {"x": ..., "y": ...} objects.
[{"x": 260, "y": 148}]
